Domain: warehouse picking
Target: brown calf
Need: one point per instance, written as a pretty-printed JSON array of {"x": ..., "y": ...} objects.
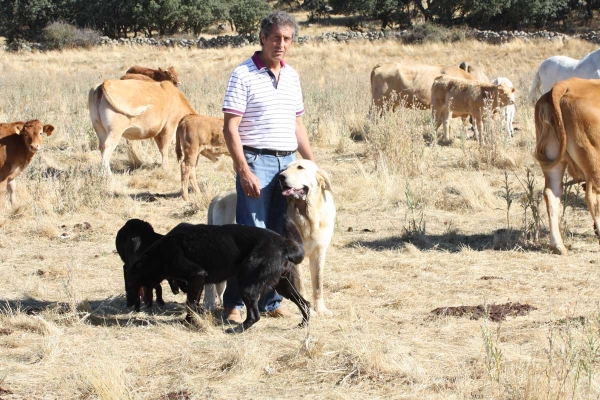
[
  {"x": 466, "y": 97},
  {"x": 139, "y": 77},
  {"x": 157, "y": 75},
  {"x": 197, "y": 134},
  {"x": 16, "y": 152},
  {"x": 10, "y": 128}
]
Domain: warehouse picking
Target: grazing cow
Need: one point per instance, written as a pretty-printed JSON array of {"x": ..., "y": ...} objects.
[
  {"x": 157, "y": 75},
  {"x": 136, "y": 110},
  {"x": 407, "y": 85},
  {"x": 10, "y": 128},
  {"x": 558, "y": 68},
  {"x": 16, "y": 152},
  {"x": 567, "y": 128},
  {"x": 197, "y": 134},
  {"x": 478, "y": 72},
  {"x": 509, "y": 110},
  {"x": 462, "y": 96}
]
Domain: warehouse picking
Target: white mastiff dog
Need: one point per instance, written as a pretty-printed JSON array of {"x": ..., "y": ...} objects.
[{"x": 310, "y": 206}]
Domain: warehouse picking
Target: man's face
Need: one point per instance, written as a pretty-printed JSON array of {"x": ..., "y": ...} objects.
[{"x": 277, "y": 43}]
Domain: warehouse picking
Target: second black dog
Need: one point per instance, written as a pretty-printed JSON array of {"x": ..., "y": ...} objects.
[
  {"x": 131, "y": 241},
  {"x": 200, "y": 254}
]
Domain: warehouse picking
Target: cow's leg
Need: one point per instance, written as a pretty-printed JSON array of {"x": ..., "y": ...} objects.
[
  {"x": 478, "y": 128},
  {"x": 592, "y": 199},
  {"x": 447, "y": 117},
  {"x": 12, "y": 191},
  {"x": 193, "y": 163},
  {"x": 185, "y": 179},
  {"x": 3, "y": 184},
  {"x": 510, "y": 117},
  {"x": 107, "y": 145},
  {"x": 317, "y": 265},
  {"x": 553, "y": 188},
  {"x": 163, "y": 139}
]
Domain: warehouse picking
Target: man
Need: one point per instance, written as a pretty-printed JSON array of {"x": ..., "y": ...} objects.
[{"x": 263, "y": 110}]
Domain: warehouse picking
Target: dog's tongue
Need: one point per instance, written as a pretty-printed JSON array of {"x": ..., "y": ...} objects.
[{"x": 288, "y": 192}]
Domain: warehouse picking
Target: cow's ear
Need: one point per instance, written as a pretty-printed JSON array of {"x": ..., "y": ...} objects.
[
  {"x": 160, "y": 69},
  {"x": 19, "y": 126},
  {"x": 48, "y": 129},
  {"x": 323, "y": 179}
]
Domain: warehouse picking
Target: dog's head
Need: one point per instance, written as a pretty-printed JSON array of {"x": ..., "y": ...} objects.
[
  {"x": 303, "y": 179},
  {"x": 133, "y": 238}
]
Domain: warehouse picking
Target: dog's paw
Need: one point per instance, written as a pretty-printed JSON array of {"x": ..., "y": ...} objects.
[{"x": 235, "y": 329}]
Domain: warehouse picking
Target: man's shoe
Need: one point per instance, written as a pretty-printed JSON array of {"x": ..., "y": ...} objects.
[
  {"x": 280, "y": 312},
  {"x": 232, "y": 315}
]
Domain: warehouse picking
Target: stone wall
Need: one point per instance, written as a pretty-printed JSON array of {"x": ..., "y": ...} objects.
[{"x": 238, "y": 41}]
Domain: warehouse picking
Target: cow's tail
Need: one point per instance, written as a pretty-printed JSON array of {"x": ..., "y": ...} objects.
[
  {"x": 130, "y": 113},
  {"x": 549, "y": 122},
  {"x": 93, "y": 103},
  {"x": 178, "y": 150},
  {"x": 535, "y": 91}
]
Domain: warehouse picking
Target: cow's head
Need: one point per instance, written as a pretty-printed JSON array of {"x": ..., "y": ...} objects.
[
  {"x": 32, "y": 133},
  {"x": 506, "y": 95},
  {"x": 170, "y": 75}
]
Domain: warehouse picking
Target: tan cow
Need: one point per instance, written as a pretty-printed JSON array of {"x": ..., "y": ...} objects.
[
  {"x": 197, "y": 134},
  {"x": 136, "y": 110},
  {"x": 16, "y": 153},
  {"x": 408, "y": 85},
  {"x": 157, "y": 75},
  {"x": 461, "y": 96},
  {"x": 10, "y": 128},
  {"x": 567, "y": 129}
]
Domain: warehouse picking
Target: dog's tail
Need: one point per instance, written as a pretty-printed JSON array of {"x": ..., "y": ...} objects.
[{"x": 295, "y": 246}]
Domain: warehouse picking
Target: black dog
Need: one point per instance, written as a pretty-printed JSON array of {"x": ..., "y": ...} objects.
[
  {"x": 200, "y": 254},
  {"x": 132, "y": 240}
]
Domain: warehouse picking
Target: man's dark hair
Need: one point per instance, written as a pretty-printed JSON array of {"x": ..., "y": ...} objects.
[{"x": 279, "y": 19}]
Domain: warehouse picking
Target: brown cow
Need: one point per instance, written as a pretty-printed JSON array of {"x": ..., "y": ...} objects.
[
  {"x": 157, "y": 75},
  {"x": 197, "y": 134},
  {"x": 407, "y": 85},
  {"x": 139, "y": 77},
  {"x": 462, "y": 96},
  {"x": 10, "y": 128},
  {"x": 16, "y": 152},
  {"x": 136, "y": 110},
  {"x": 567, "y": 129}
]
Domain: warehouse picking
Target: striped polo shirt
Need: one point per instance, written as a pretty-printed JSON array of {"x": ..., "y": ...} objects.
[{"x": 268, "y": 109}]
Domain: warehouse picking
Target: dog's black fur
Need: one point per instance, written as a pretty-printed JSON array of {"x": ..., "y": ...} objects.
[
  {"x": 132, "y": 240},
  {"x": 200, "y": 254}
]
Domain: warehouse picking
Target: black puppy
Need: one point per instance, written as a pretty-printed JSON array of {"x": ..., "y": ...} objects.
[
  {"x": 132, "y": 240},
  {"x": 200, "y": 254}
]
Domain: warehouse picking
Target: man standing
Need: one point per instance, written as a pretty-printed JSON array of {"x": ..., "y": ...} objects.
[{"x": 263, "y": 110}]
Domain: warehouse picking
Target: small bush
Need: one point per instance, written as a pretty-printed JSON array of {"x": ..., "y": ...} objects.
[
  {"x": 60, "y": 35},
  {"x": 428, "y": 32}
]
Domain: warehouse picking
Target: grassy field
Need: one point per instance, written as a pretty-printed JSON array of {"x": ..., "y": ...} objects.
[{"x": 420, "y": 226}]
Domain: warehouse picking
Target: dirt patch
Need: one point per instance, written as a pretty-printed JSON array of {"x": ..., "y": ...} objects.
[
  {"x": 489, "y": 278},
  {"x": 495, "y": 312},
  {"x": 5, "y": 332},
  {"x": 180, "y": 395}
]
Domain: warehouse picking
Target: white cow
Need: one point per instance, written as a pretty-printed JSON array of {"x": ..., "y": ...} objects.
[
  {"x": 559, "y": 68},
  {"x": 509, "y": 110}
]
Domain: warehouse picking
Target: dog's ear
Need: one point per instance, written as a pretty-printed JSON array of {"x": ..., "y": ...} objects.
[{"x": 323, "y": 180}]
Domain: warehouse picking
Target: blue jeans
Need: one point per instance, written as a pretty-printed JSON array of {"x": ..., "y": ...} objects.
[{"x": 265, "y": 212}]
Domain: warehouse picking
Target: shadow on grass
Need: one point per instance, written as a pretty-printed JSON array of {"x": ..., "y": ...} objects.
[
  {"x": 149, "y": 197},
  {"x": 502, "y": 239}
]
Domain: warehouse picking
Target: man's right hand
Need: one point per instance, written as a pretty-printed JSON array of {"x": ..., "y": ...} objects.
[{"x": 250, "y": 183}]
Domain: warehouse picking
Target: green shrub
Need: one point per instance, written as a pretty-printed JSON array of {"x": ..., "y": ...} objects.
[
  {"x": 247, "y": 14},
  {"x": 429, "y": 32}
]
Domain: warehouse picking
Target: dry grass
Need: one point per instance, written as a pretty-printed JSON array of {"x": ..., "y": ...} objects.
[{"x": 64, "y": 329}]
